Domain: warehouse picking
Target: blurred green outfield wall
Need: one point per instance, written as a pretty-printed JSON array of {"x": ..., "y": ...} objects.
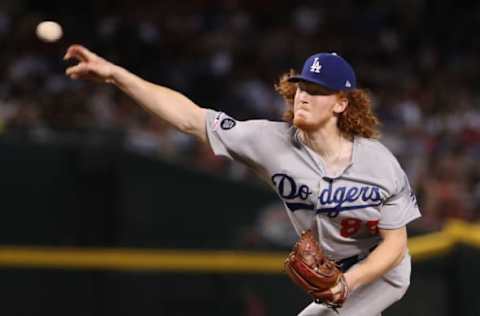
[{"x": 95, "y": 196}]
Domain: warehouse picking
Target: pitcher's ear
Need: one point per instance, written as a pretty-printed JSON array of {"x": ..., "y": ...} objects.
[{"x": 341, "y": 105}]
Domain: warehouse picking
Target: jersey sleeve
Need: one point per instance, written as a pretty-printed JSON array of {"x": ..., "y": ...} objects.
[
  {"x": 401, "y": 208},
  {"x": 236, "y": 140}
]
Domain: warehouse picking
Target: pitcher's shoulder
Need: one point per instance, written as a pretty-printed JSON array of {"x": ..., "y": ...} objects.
[
  {"x": 373, "y": 147},
  {"x": 376, "y": 161},
  {"x": 278, "y": 125},
  {"x": 277, "y": 129}
]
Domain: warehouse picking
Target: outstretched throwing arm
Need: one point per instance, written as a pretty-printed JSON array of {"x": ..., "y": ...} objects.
[{"x": 169, "y": 105}]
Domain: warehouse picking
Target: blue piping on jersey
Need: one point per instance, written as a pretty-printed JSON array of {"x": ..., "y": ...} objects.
[
  {"x": 299, "y": 206},
  {"x": 331, "y": 211}
]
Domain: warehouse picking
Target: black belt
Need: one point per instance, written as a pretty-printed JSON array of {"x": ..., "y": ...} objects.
[{"x": 347, "y": 263}]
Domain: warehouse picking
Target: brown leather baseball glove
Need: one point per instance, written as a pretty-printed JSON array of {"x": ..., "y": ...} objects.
[{"x": 313, "y": 271}]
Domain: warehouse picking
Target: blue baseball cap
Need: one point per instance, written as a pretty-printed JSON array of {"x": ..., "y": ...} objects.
[{"x": 328, "y": 70}]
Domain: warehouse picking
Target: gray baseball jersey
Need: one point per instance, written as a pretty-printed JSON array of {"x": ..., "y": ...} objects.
[{"x": 372, "y": 192}]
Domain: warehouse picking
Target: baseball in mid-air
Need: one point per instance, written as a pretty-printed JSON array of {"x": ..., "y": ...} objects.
[{"x": 49, "y": 31}]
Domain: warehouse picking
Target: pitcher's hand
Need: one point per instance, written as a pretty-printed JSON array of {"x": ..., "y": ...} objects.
[{"x": 90, "y": 66}]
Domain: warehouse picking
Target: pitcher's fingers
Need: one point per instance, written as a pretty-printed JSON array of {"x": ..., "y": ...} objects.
[
  {"x": 71, "y": 53},
  {"x": 79, "y": 52},
  {"x": 71, "y": 70},
  {"x": 76, "y": 52},
  {"x": 77, "y": 69}
]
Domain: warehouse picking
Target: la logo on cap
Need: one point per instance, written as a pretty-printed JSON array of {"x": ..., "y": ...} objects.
[
  {"x": 315, "y": 66},
  {"x": 348, "y": 84}
]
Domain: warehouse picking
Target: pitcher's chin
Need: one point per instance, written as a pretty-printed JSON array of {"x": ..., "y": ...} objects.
[{"x": 300, "y": 122}]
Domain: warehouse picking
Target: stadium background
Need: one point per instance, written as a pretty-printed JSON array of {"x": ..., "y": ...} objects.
[{"x": 86, "y": 172}]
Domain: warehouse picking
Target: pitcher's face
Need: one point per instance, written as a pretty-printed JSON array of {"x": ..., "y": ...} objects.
[{"x": 315, "y": 106}]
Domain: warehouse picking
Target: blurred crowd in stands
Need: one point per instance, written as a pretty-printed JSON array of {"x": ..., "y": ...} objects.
[{"x": 419, "y": 59}]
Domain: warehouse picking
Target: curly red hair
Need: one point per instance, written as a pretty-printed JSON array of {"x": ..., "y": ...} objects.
[{"x": 357, "y": 119}]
